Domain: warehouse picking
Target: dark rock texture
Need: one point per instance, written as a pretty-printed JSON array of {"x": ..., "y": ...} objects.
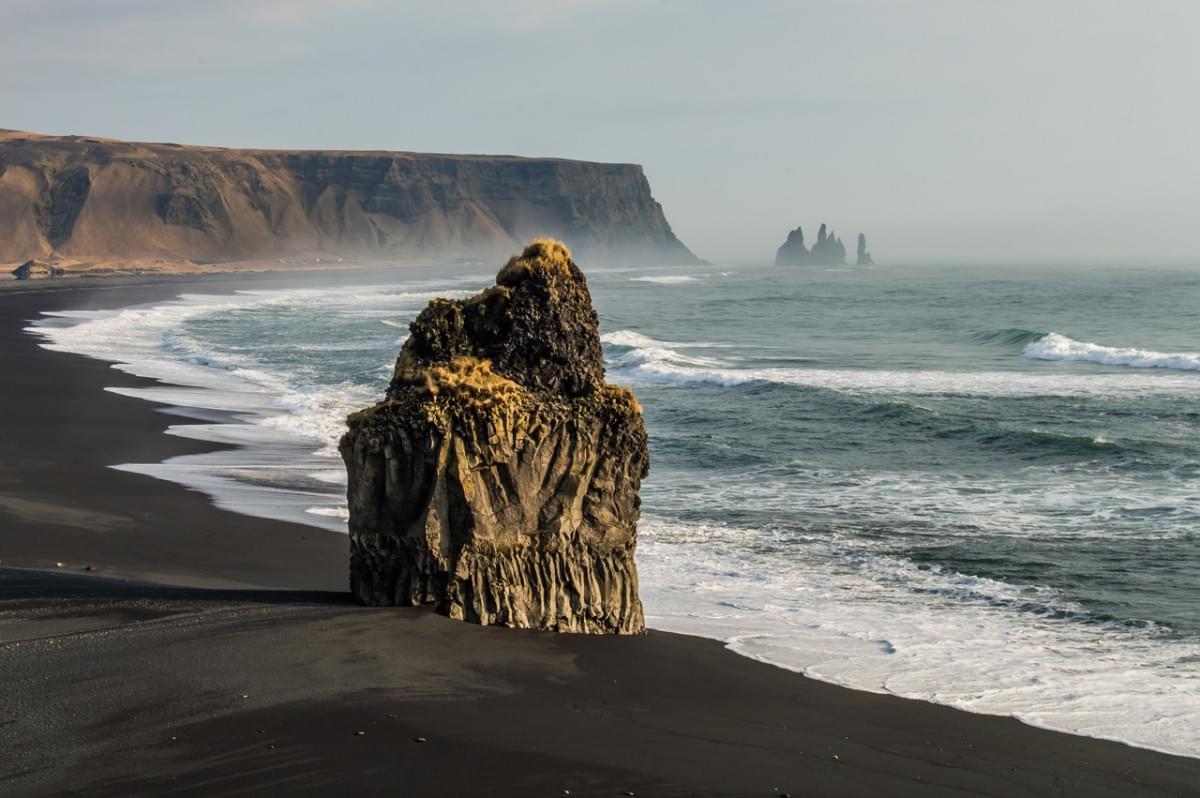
[
  {"x": 827, "y": 251},
  {"x": 99, "y": 198},
  {"x": 864, "y": 257},
  {"x": 498, "y": 479}
]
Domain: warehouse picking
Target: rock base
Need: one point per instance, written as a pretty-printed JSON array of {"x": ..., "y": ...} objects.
[{"x": 566, "y": 590}]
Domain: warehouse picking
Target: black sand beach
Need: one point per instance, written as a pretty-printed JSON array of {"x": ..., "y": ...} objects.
[{"x": 181, "y": 649}]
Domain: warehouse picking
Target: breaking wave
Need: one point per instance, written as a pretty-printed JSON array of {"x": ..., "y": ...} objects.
[
  {"x": 647, "y": 360},
  {"x": 666, "y": 279},
  {"x": 826, "y": 609},
  {"x": 1054, "y": 346}
]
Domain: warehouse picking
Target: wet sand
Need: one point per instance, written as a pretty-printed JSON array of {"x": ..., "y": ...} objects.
[{"x": 207, "y": 653}]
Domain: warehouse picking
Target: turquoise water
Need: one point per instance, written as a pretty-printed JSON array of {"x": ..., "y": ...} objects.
[{"x": 973, "y": 485}]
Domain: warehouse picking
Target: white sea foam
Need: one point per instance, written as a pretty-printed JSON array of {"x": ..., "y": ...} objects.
[
  {"x": 920, "y": 509},
  {"x": 286, "y": 432},
  {"x": 632, "y": 340},
  {"x": 876, "y": 622},
  {"x": 836, "y": 610},
  {"x": 341, "y": 513},
  {"x": 665, "y": 279},
  {"x": 652, "y": 361},
  {"x": 1059, "y": 347}
]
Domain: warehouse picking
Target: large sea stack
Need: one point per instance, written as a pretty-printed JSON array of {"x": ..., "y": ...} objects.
[
  {"x": 498, "y": 479},
  {"x": 792, "y": 252},
  {"x": 827, "y": 251}
]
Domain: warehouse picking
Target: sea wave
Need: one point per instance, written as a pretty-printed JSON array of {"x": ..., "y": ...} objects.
[
  {"x": 1009, "y": 336},
  {"x": 669, "y": 368},
  {"x": 898, "y": 410},
  {"x": 650, "y": 360},
  {"x": 283, "y": 427},
  {"x": 1037, "y": 441},
  {"x": 1054, "y": 346},
  {"x": 633, "y": 339},
  {"x": 654, "y": 356},
  {"x": 842, "y": 611},
  {"x": 665, "y": 279},
  {"x": 880, "y": 622}
]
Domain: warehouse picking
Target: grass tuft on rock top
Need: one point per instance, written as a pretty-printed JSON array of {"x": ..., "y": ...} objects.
[
  {"x": 545, "y": 255},
  {"x": 466, "y": 378}
]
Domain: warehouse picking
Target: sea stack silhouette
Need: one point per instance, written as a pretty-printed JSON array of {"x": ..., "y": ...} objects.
[
  {"x": 498, "y": 479},
  {"x": 827, "y": 251},
  {"x": 864, "y": 257}
]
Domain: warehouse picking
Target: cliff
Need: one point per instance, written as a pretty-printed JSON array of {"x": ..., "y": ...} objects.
[
  {"x": 76, "y": 198},
  {"x": 498, "y": 479}
]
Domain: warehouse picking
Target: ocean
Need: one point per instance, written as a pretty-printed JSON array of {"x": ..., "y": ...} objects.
[{"x": 972, "y": 485}]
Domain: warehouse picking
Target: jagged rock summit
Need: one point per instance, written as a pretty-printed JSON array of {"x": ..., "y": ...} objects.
[
  {"x": 827, "y": 251},
  {"x": 793, "y": 252},
  {"x": 498, "y": 479}
]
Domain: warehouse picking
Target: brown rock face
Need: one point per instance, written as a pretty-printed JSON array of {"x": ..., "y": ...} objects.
[
  {"x": 99, "y": 199},
  {"x": 499, "y": 477}
]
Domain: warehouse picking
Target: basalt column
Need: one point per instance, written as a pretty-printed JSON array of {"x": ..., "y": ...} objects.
[{"x": 498, "y": 479}]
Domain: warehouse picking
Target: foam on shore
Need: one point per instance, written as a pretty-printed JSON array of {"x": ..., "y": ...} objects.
[{"x": 830, "y": 607}]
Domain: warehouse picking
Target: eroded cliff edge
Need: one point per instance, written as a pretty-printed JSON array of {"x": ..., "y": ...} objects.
[
  {"x": 498, "y": 479},
  {"x": 86, "y": 198}
]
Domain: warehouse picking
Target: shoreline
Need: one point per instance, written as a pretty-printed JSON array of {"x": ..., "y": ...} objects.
[
  {"x": 75, "y": 272},
  {"x": 60, "y": 501}
]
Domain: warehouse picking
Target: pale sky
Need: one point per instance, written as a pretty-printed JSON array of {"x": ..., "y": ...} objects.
[{"x": 941, "y": 128}]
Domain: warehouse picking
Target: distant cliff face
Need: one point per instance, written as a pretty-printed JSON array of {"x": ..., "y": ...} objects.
[{"x": 82, "y": 198}]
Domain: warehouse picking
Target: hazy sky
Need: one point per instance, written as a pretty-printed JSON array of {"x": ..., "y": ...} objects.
[{"x": 939, "y": 127}]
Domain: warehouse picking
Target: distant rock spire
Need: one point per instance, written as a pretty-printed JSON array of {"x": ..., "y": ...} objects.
[
  {"x": 864, "y": 257},
  {"x": 793, "y": 252},
  {"x": 827, "y": 251}
]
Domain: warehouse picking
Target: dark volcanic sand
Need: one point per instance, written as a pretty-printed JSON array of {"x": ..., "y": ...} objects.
[{"x": 257, "y": 674}]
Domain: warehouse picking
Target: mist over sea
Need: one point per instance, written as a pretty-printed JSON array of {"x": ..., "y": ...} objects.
[{"x": 975, "y": 486}]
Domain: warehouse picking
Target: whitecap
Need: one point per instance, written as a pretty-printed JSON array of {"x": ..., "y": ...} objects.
[
  {"x": 662, "y": 368},
  {"x": 1055, "y": 346},
  {"x": 878, "y": 622},
  {"x": 634, "y": 339},
  {"x": 665, "y": 279}
]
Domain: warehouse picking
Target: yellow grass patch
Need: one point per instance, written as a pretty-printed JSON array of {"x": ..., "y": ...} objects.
[
  {"x": 544, "y": 254},
  {"x": 621, "y": 395},
  {"x": 466, "y": 379}
]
